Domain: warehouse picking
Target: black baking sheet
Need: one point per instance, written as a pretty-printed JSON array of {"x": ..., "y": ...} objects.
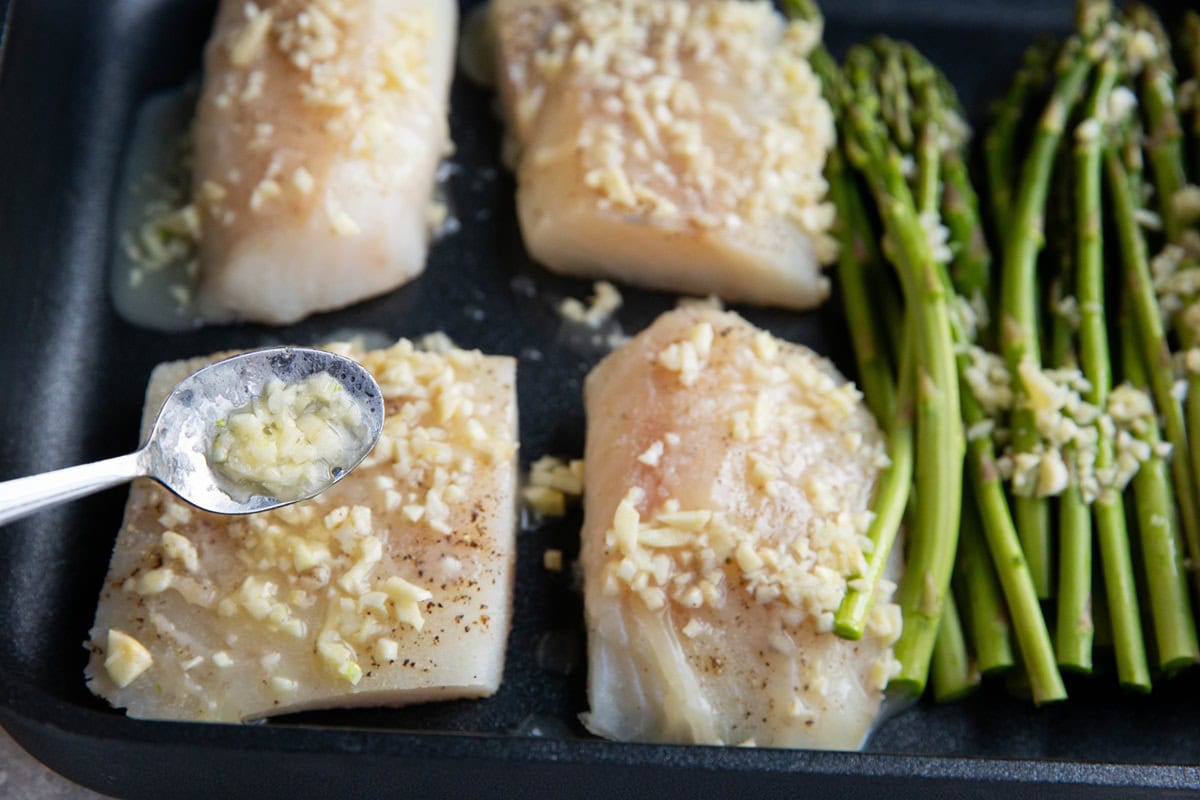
[{"x": 71, "y": 77}]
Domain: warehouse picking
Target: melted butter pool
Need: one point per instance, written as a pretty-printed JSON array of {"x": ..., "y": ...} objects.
[{"x": 152, "y": 269}]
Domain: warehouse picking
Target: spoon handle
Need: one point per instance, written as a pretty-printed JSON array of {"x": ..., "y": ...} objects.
[{"x": 23, "y": 496}]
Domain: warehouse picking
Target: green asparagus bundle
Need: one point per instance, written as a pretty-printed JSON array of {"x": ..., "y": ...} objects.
[
  {"x": 1104, "y": 172},
  {"x": 860, "y": 265},
  {"x": 922, "y": 394},
  {"x": 1005, "y": 378},
  {"x": 919, "y": 114},
  {"x": 938, "y": 464}
]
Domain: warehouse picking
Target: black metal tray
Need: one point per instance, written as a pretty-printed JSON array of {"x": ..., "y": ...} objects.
[{"x": 71, "y": 75}]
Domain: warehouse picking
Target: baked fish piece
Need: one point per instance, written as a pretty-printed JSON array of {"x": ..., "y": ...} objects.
[
  {"x": 392, "y": 587},
  {"x": 671, "y": 144},
  {"x": 317, "y": 138},
  {"x": 728, "y": 481}
]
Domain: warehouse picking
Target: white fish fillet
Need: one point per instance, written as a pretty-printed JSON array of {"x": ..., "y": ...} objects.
[
  {"x": 317, "y": 139},
  {"x": 673, "y": 144},
  {"x": 280, "y": 611},
  {"x": 727, "y": 476}
]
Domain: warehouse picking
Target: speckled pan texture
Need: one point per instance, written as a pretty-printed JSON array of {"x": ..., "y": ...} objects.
[{"x": 72, "y": 75}]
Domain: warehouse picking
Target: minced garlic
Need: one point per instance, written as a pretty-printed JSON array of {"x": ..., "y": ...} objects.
[
  {"x": 550, "y": 482},
  {"x": 544, "y": 501},
  {"x": 291, "y": 440},
  {"x": 688, "y": 356},
  {"x": 604, "y": 302},
  {"x": 552, "y": 560},
  {"x": 181, "y": 549},
  {"x": 126, "y": 659},
  {"x": 1069, "y": 428}
]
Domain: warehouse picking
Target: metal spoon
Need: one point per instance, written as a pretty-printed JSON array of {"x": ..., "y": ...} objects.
[{"x": 175, "y": 453}]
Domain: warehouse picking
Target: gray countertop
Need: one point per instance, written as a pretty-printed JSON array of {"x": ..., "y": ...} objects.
[{"x": 24, "y": 778}]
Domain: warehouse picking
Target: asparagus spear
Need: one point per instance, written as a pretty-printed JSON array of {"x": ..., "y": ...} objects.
[
  {"x": 938, "y": 491},
  {"x": 1075, "y": 622},
  {"x": 1074, "y": 522},
  {"x": 1189, "y": 41},
  {"x": 931, "y": 119},
  {"x": 859, "y": 261},
  {"x": 1000, "y": 142},
  {"x": 883, "y": 69},
  {"x": 1164, "y": 140},
  {"x": 1152, "y": 347},
  {"x": 1101, "y": 619},
  {"x": 896, "y": 104},
  {"x": 1020, "y": 594},
  {"x": 1075, "y": 628},
  {"x": 1124, "y": 613},
  {"x": 858, "y": 258},
  {"x": 1189, "y": 511},
  {"x": 1152, "y": 339},
  {"x": 970, "y": 271},
  {"x": 880, "y": 60},
  {"x": 1018, "y": 324},
  {"x": 979, "y": 589},
  {"x": 1162, "y": 550},
  {"x": 1073, "y": 634},
  {"x": 893, "y": 408},
  {"x": 1037, "y": 653},
  {"x": 953, "y": 674}
]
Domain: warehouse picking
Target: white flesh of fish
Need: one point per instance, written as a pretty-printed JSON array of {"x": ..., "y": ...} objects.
[
  {"x": 672, "y": 144},
  {"x": 317, "y": 139},
  {"x": 728, "y": 478}
]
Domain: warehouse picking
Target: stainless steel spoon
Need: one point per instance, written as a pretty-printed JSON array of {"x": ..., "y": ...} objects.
[{"x": 175, "y": 453}]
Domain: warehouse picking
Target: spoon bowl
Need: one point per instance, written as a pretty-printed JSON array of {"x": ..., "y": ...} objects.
[{"x": 176, "y": 453}]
